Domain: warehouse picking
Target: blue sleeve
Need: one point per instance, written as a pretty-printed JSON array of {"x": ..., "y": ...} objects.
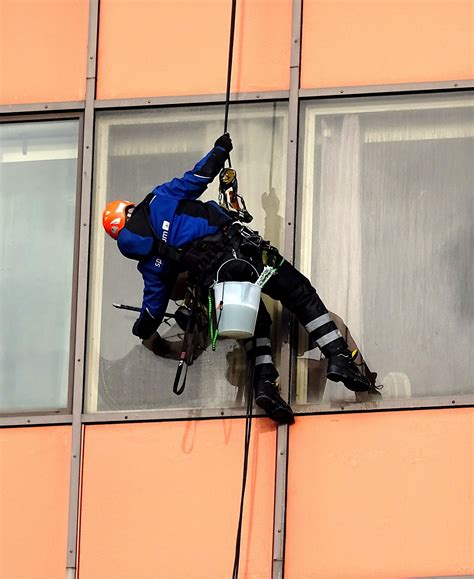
[
  {"x": 193, "y": 183},
  {"x": 158, "y": 282}
]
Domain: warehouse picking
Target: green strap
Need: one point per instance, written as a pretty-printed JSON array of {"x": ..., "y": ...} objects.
[{"x": 214, "y": 332}]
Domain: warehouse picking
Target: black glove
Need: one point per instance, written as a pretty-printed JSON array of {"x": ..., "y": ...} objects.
[
  {"x": 217, "y": 158},
  {"x": 225, "y": 142},
  {"x": 145, "y": 326}
]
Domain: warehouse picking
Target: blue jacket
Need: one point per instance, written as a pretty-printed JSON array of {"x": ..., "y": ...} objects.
[{"x": 173, "y": 214}]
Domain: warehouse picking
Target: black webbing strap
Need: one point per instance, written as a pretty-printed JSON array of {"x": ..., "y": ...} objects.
[
  {"x": 160, "y": 248},
  {"x": 177, "y": 388},
  {"x": 163, "y": 250},
  {"x": 186, "y": 355}
]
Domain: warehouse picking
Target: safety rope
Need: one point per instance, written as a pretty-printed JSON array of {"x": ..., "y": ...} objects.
[
  {"x": 248, "y": 417},
  {"x": 248, "y": 431},
  {"x": 229, "y": 64}
]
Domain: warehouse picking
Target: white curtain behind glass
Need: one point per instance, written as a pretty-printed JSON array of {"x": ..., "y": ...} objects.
[
  {"x": 393, "y": 240},
  {"x": 340, "y": 211}
]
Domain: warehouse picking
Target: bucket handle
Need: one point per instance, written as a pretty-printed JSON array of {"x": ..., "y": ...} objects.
[{"x": 234, "y": 259}]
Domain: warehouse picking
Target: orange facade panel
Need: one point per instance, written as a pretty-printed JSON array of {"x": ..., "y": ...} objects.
[
  {"x": 162, "y": 500},
  {"x": 34, "y": 492},
  {"x": 381, "y": 495},
  {"x": 43, "y": 50},
  {"x": 180, "y": 47},
  {"x": 362, "y": 42}
]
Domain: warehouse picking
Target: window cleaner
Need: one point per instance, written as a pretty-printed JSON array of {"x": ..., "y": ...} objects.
[{"x": 171, "y": 231}]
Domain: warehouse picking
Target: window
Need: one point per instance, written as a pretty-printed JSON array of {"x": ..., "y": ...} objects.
[
  {"x": 386, "y": 237},
  {"x": 38, "y": 179},
  {"x": 135, "y": 151}
]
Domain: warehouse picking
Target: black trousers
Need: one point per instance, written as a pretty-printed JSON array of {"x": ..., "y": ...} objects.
[{"x": 295, "y": 292}]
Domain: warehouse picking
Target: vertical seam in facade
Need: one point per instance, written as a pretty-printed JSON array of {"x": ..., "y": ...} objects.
[
  {"x": 281, "y": 460},
  {"x": 76, "y": 459}
]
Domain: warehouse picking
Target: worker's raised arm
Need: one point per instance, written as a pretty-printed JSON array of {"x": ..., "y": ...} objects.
[{"x": 193, "y": 183}]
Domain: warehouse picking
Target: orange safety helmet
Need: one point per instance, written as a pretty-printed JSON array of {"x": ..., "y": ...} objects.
[{"x": 114, "y": 217}]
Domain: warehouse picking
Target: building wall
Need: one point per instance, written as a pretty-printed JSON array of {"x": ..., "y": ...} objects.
[
  {"x": 381, "y": 495},
  {"x": 370, "y": 494},
  {"x": 156, "y": 499},
  {"x": 34, "y": 486},
  {"x": 142, "y": 54}
]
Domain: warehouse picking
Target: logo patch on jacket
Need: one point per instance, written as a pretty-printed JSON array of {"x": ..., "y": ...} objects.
[{"x": 165, "y": 227}]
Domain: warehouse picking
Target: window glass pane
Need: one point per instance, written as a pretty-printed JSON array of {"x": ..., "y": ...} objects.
[
  {"x": 386, "y": 235},
  {"x": 135, "y": 151},
  {"x": 38, "y": 177}
]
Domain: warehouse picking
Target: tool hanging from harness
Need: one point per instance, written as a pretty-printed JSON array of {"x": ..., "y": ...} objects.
[{"x": 190, "y": 317}]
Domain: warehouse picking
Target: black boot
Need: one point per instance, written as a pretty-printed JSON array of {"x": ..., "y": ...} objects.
[
  {"x": 342, "y": 368},
  {"x": 268, "y": 398}
]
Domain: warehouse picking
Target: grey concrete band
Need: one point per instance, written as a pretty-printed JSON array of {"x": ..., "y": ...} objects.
[
  {"x": 318, "y": 322},
  {"x": 328, "y": 338}
]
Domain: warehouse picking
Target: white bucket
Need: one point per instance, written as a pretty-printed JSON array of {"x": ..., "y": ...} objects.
[{"x": 240, "y": 302}]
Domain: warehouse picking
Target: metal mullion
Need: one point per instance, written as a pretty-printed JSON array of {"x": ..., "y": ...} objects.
[
  {"x": 44, "y": 416},
  {"x": 367, "y": 90},
  {"x": 190, "y": 99},
  {"x": 82, "y": 276},
  {"x": 281, "y": 461},
  {"x": 42, "y": 107},
  {"x": 167, "y": 414},
  {"x": 35, "y": 419},
  {"x": 15, "y": 117},
  {"x": 73, "y": 309},
  {"x": 428, "y": 403},
  {"x": 80, "y": 339}
]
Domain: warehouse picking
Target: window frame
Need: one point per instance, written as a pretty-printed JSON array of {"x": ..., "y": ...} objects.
[
  {"x": 322, "y": 103},
  {"x": 55, "y": 415},
  {"x": 78, "y": 110},
  {"x": 96, "y": 257}
]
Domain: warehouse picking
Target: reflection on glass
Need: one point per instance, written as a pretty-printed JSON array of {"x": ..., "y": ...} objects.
[
  {"x": 387, "y": 237},
  {"x": 38, "y": 175},
  {"x": 135, "y": 152}
]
